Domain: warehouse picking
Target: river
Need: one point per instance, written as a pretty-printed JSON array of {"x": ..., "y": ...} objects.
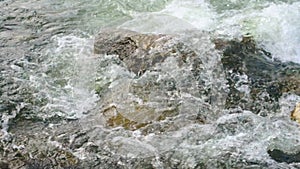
[{"x": 50, "y": 78}]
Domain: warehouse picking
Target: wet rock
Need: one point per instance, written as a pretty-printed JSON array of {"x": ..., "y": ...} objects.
[
  {"x": 295, "y": 115},
  {"x": 166, "y": 69},
  {"x": 281, "y": 156},
  {"x": 165, "y": 81},
  {"x": 33, "y": 147},
  {"x": 120, "y": 120},
  {"x": 139, "y": 51},
  {"x": 138, "y": 102},
  {"x": 256, "y": 81}
]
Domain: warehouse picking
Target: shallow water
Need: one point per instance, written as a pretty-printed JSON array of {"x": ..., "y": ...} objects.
[{"x": 49, "y": 74}]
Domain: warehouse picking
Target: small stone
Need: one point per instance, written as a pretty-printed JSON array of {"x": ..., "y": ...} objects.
[{"x": 296, "y": 113}]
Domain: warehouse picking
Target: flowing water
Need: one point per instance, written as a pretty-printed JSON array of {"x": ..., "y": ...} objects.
[{"x": 49, "y": 74}]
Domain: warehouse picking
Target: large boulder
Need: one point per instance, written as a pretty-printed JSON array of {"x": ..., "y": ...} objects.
[
  {"x": 172, "y": 67},
  {"x": 150, "y": 77}
]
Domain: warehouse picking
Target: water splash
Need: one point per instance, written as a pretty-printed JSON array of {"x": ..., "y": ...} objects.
[
  {"x": 64, "y": 82},
  {"x": 274, "y": 26},
  {"x": 67, "y": 77},
  {"x": 278, "y": 29},
  {"x": 177, "y": 16}
]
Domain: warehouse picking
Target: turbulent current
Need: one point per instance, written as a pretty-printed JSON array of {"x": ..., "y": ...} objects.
[{"x": 216, "y": 91}]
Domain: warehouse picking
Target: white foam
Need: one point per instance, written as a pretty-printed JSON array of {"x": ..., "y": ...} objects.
[
  {"x": 72, "y": 62},
  {"x": 275, "y": 26},
  {"x": 177, "y": 16},
  {"x": 279, "y": 30},
  {"x": 195, "y": 12}
]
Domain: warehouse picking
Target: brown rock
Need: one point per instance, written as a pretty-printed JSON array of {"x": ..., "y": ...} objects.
[
  {"x": 296, "y": 113},
  {"x": 171, "y": 69}
]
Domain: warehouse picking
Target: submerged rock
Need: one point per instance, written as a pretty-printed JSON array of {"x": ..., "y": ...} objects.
[
  {"x": 140, "y": 51},
  {"x": 170, "y": 77},
  {"x": 256, "y": 81},
  {"x": 167, "y": 72},
  {"x": 281, "y": 156},
  {"x": 165, "y": 82}
]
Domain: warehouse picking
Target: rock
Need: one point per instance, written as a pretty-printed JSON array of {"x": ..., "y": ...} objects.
[
  {"x": 136, "y": 103},
  {"x": 31, "y": 148},
  {"x": 159, "y": 62},
  {"x": 281, "y": 156},
  {"x": 295, "y": 115},
  {"x": 118, "y": 119},
  {"x": 166, "y": 80},
  {"x": 139, "y": 51},
  {"x": 256, "y": 81}
]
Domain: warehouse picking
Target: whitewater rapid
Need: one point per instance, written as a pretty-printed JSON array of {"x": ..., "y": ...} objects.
[{"x": 50, "y": 77}]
